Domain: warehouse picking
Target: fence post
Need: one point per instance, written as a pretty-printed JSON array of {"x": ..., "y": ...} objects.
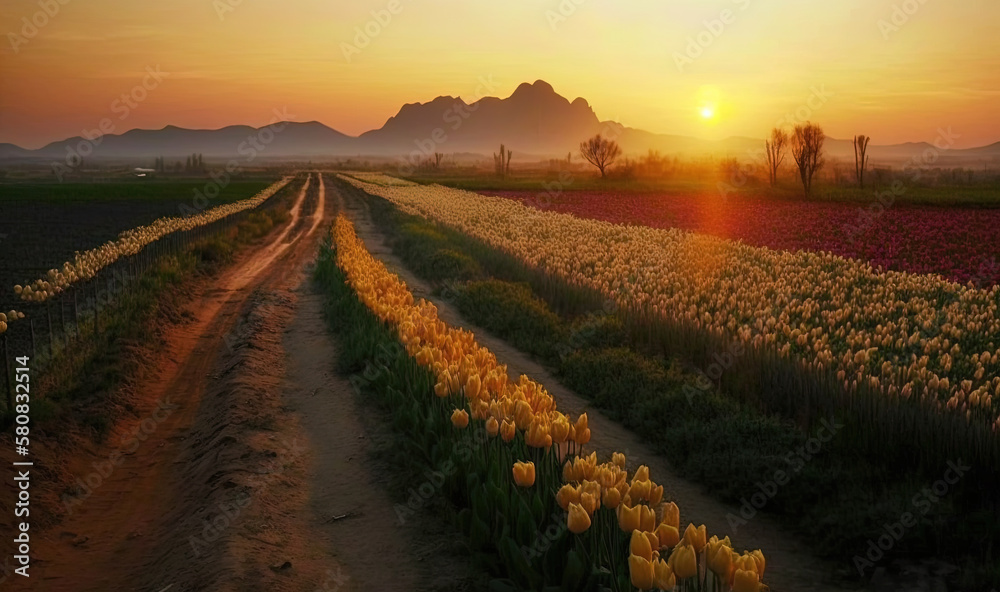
[
  {"x": 31, "y": 326},
  {"x": 76, "y": 313}
]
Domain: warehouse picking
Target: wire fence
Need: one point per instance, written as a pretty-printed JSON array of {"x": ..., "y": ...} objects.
[{"x": 84, "y": 310}]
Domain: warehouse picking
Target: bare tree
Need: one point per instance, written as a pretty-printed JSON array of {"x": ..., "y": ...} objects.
[
  {"x": 600, "y": 152},
  {"x": 861, "y": 158},
  {"x": 437, "y": 159},
  {"x": 807, "y": 150},
  {"x": 775, "y": 152},
  {"x": 502, "y": 162}
]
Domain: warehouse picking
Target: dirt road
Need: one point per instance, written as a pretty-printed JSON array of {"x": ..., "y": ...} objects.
[{"x": 245, "y": 466}]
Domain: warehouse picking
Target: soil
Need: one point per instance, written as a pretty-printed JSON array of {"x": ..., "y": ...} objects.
[{"x": 245, "y": 465}]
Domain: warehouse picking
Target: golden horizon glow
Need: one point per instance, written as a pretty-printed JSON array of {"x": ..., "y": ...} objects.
[{"x": 644, "y": 63}]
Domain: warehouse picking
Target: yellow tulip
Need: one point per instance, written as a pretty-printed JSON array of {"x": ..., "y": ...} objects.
[
  {"x": 683, "y": 561},
  {"x": 589, "y": 502},
  {"x": 647, "y": 518},
  {"x": 507, "y": 431},
  {"x": 524, "y": 474},
  {"x": 591, "y": 487},
  {"x": 695, "y": 536},
  {"x": 655, "y": 495},
  {"x": 578, "y": 519},
  {"x": 472, "y": 386},
  {"x": 639, "y": 490},
  {"x": 629, "y": 518},
  {"x": 611, "y": 498},
  {"x": 654, "y": 541},
  {"x": 460, "y": 418},
  {"x": 640, "y": 572},
  {"x": 668, "y": 535},
  {"x": 639, "y": 545},
  {"x": 663, "y": 576},
  {"x": 522, "y": 415},
  {"x": 569, "y": 472},
  {"x": 641, "y": 474},
  {"x": 746, "y": 581},
  {"x": 443, "y": 387},
  {"x": 758, "y": 557},
  {"x": 719, "y": 557},
  {"x": 567, "y": 495},
  {"x": 671, "y": 515},
  {"x": 560, "y": 429},
  {"x": 618, "y": 458},
  {"x": 492, "y": 427},
  {"x": 581, "y": 437}
]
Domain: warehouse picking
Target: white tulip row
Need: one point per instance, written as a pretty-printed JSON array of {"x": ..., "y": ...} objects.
[{"x": 85, "y": 265}]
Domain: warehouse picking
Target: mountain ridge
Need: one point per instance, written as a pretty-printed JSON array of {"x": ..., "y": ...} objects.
[{"x": 534, "y": 121}]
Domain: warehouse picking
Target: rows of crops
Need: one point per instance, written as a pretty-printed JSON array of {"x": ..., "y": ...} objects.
[
  {"x": 624, "y": 533},
  {"x": 907, "y": 335},
  {"x": 87, "y": 264},
  {"x": 961, "y": 244}
]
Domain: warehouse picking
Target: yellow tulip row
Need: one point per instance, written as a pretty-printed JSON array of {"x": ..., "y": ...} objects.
[
  {"x": 85, "y": 265},
  {"x": 9, "y": 317},
  {"x": 908, "y": 335},
  {"x": 462, "y": 366}
]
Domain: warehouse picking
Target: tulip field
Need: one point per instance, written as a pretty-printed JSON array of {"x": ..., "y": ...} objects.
[
  {"x": 960, "y": 244},
  {"x": 48, "y": 309},
  {"x": 907, "y": 363},
  {"x": 521, "y": 463},
  {"x": 909, "y": 335}
]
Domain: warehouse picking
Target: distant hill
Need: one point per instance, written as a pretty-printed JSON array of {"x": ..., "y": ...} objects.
[{"x": 535, "y": 122}]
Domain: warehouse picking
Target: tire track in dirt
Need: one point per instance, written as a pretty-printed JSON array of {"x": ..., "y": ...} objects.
[
  {"x": 790, "y": 566},
  {"x": 111, "y": 538}
]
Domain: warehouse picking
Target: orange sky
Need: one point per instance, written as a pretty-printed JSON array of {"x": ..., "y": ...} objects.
[{"x": 639, "y": 62}]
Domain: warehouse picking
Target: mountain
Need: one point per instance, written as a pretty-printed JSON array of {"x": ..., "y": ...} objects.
[
  {"x": 535, "y": 122},
  {"x": 298, "y": 139}
]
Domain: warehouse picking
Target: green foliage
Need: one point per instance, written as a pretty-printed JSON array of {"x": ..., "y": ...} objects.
[
  {"x": 467, "y": 473},
  {"x": 513, "y": 312}
]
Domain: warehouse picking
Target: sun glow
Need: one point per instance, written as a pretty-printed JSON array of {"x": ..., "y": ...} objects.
[{"x": 708, "y": 112}]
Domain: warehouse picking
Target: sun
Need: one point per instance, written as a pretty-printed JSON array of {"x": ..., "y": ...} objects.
[{"x": 707, "y": 112}]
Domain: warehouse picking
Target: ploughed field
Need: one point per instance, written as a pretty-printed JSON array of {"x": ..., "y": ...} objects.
[
  {"x": 42, "y": 225},
  {"x": 960, "y": 243}
]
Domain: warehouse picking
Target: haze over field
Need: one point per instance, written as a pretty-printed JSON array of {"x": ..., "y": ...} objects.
[{"x": 705, "y": 70}]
